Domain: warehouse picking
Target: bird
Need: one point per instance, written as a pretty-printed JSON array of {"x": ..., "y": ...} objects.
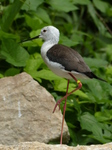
[{"x": 64, "y": 62}]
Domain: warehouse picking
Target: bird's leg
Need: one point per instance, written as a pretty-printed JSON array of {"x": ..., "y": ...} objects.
[
  {"x": 67, "y": 94},
  {"x": 64, "y": 109},
  {"x": 59, "y": 101},
  {"x": 65, "y": 97}
]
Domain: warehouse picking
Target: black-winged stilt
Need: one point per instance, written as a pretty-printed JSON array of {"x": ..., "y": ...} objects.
[{"x": 63, "y": 61}]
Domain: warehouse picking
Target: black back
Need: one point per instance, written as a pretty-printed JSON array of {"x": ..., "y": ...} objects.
[{"x": 70, "y": 59}]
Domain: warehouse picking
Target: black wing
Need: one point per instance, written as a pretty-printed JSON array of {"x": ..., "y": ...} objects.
[{"x": 70, "y": 59}]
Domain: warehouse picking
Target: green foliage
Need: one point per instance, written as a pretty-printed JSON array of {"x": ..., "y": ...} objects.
[
  {"x": 85, "y": 25},
  {"x": 100, "y": 5},
  {"x": 13, "y": 53},
  {"x": 31, "y": 4},
  {"x": 98, "y": 131},
  {"x": 9, "y": 14},
  {"x": 57, "y": 5}
]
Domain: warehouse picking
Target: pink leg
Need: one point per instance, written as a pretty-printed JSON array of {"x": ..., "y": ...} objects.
[
  {"x": 64, "y": 109},
  {"x": 67, "y": 94},
  {"x": 65, "y": 97}
]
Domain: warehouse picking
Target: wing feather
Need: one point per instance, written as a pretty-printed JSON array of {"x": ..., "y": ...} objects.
[{"x": 67, "y": 57}]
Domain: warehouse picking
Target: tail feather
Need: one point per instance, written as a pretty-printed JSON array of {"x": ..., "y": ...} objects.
[{"x": 92, "y": 75}]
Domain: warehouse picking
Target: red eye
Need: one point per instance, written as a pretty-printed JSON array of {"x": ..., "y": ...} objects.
[{"x": 44, "y": 30}]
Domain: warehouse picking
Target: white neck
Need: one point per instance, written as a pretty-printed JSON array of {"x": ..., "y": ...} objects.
[{"x": 46, "y": 46}]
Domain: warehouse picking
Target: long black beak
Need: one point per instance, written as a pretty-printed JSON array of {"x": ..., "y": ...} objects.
[{"x": 36, "y": 37}]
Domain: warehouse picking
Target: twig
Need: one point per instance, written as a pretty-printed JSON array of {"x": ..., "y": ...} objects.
[{"x": 103, "y": 21}]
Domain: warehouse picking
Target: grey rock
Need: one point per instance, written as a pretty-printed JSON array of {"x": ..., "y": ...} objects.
[
  {"x": 26, "y": 112},
  {"x": 43, "y": 146}
]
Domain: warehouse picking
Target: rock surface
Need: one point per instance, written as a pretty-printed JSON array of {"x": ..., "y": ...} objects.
[
  {"x": 26, "y": 112},
  {"x": 42, "y": 146}
]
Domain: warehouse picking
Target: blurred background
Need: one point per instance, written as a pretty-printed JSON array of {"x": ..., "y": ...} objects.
[{"x": 86, "y": 26}]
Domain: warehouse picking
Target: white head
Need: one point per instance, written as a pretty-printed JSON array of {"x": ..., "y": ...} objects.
[{"x": 50, "y": 33}]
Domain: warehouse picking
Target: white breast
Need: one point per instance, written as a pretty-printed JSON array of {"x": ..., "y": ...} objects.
[{"x": 57, "y": 68}]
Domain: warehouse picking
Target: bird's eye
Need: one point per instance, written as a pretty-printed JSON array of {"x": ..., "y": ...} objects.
[{"x": 44, "y": 30}]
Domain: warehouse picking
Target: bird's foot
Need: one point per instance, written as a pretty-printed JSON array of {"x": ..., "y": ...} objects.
[{"x": 57, "y": 104}]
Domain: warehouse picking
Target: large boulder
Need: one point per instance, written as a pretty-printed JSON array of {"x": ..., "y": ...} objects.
[{"x": 26, "y": 112}]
